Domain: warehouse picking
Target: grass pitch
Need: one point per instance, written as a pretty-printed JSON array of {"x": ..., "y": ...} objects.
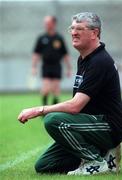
[{"x": 21, "y": 145}]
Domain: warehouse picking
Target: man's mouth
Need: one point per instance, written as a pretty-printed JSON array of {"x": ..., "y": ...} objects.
[{"x": 75, "y": 39}]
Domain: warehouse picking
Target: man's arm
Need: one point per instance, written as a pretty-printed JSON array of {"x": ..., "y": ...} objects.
[
  {"x": 73, "y": 106},
  {"x": 35, "y": 59},
  {"x": 68, "y": 64}
]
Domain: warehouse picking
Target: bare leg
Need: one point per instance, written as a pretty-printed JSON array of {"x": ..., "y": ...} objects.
[{"x": 46, "y": 89}]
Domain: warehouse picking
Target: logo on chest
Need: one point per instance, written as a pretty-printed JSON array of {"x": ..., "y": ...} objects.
[
  {"x": 56, "y": 44},
  {"x": 78, "y": 81}
]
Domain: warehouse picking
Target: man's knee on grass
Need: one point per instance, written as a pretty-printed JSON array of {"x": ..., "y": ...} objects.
[
  {"x": 42, "y": 166},
  {"x": 39, "y": 167}
]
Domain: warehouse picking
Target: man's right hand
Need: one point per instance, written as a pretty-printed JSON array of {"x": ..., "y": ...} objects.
[{"x": 30, "y": 113}]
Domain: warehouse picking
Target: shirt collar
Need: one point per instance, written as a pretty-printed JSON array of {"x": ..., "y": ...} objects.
[{"x": 101, "y": 47}]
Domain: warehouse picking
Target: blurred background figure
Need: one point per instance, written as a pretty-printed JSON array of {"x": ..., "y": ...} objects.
[{"x": 51, "y": 49}]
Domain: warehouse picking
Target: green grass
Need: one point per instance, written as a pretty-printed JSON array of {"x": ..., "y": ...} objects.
[{"x": 16, "y": 139}]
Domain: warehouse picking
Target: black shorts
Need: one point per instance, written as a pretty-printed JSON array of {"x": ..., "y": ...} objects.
[{"x": 51, "y": 72}]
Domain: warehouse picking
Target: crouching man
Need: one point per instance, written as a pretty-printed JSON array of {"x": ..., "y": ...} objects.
[{"x": 86, "y": 127}]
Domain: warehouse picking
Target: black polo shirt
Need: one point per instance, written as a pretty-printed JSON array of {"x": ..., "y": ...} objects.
[
  {"x": 51, "y": 48},
  {"x": 97, "y": 76}
]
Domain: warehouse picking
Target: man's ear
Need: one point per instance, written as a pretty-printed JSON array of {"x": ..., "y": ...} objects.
[{"x": 95, "y": 33}]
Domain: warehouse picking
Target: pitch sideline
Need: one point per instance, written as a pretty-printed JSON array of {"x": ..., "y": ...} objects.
[{"x": 21, "y": 158}]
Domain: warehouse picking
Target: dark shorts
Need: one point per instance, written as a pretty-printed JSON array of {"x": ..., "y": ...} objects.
[{"x": 51, "y": 72}]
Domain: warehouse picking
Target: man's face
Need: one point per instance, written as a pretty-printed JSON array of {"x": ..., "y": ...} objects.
[
  {"x": 49, "y": 24},
  {"x": 81, "y": 35}
]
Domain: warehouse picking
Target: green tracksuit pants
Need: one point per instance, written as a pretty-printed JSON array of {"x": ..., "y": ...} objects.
[{"x": 79, "y": 136}]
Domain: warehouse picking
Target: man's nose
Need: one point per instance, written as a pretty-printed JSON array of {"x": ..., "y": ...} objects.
[{"x": 74, "y": 32}]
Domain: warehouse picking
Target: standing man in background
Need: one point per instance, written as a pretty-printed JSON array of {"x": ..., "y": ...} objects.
[{"x": 50, "y": 47}]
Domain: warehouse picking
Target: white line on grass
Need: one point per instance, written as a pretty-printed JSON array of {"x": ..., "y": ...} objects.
[{"x": 22, "y": 158}]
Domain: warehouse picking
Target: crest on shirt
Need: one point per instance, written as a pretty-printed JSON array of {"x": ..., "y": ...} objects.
[
  {"x": 45, "y": 40},
  {"x": 78, "y": 81},
  {"x": 56, "y": 44}
]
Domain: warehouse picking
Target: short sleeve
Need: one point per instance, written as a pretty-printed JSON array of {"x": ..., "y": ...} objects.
[
  {"x": 63, "y": 48},
  {"x": 38, "y": 46},
  {"x": 93, "y": 79}
]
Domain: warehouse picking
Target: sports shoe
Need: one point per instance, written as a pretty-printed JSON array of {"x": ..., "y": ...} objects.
[
  {"x": 91, "y": 167},
  {"x": 113, "y": 159},
  {"x": 79, "y": 169}
]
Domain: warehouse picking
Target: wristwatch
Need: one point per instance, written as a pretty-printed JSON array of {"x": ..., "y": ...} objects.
[{"x": 41, "y": 110}]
